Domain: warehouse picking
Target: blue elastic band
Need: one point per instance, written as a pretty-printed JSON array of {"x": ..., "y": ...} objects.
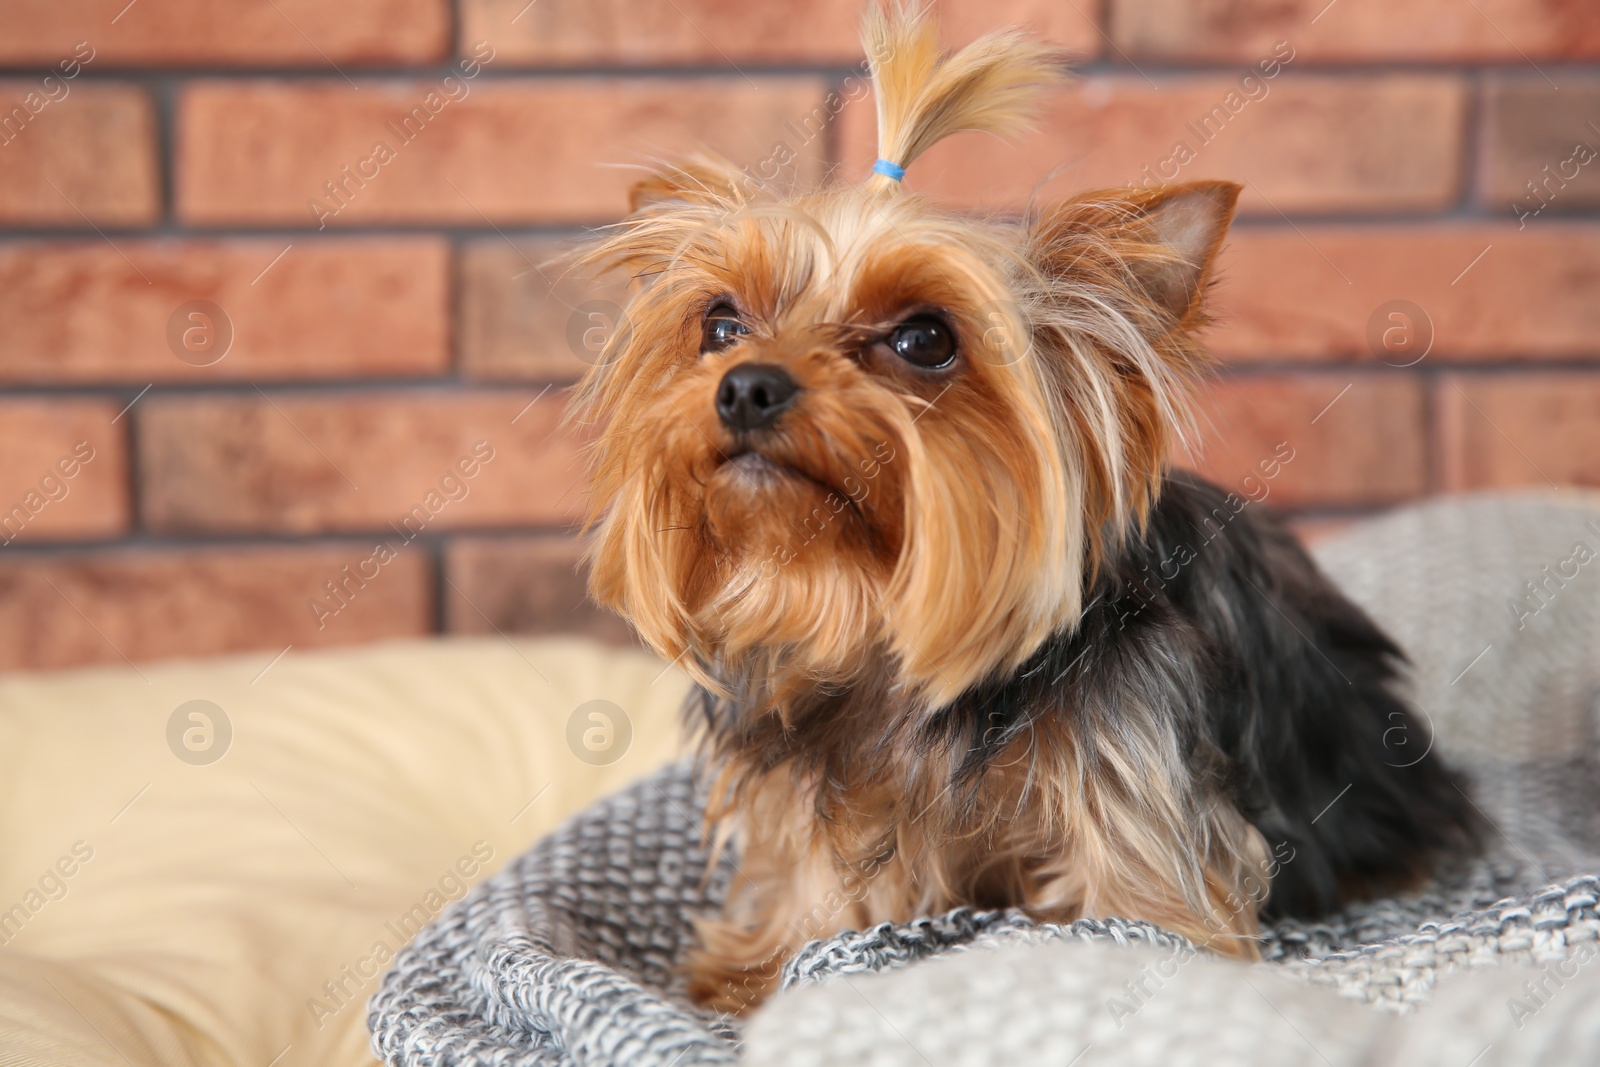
[{"x": 891, "y": 170}]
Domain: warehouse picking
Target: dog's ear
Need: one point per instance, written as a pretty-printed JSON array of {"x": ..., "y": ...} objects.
[
  {"x": 701, "y": 179},
  {"x": 1119, "y": 286},
  {"x": 1162, "y": 243},
  {"x": 672, "y": 204}
]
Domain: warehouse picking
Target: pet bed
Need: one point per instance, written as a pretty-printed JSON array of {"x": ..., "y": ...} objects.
[{"x": 567, "y": 956}]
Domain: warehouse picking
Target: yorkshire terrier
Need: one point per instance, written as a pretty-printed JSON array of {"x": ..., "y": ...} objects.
[{"x": 895, "y": 487}]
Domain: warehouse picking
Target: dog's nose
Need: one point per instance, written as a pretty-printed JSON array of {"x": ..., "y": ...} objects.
[{"x": 751, "y": 396}]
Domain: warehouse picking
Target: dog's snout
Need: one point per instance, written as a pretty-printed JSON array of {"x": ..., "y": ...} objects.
[{"x": 751, "y": 396}]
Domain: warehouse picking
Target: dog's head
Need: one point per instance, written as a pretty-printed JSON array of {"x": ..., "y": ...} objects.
[{"x": 843, "y": 427}]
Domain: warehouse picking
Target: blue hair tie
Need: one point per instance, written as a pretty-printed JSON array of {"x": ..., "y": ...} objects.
[{"x": 890, "y": 170}]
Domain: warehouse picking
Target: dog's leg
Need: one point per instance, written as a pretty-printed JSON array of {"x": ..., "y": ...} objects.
[{"x": 779, "y": 901}]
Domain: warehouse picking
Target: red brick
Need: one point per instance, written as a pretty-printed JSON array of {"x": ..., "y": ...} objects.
[
  {"x": 1526, "y": 429},
  {"x": 1512, "y": 31},
  {"x": 1309, "y": 293},
  {"x": 308, "y": 33},
  {"x": 1310, "y": 530},
  {"x": 305, "y": 463},
  {"x": 1358, "y": 446},
  {"x": 1313, "y": 143},
  {"x": 95, "y": 146},
  {"x": 721, "y": 32},
  {"x": 1541, "y": 147},
  {"x": 81, "y": 312},
  {"x": 529, "y": 585},
  {"x": 118, "y": 606},
  {"x": 524, "y": 317},
  {"x": 65, "y": 473},
  {"x": 518, "y": 152}
]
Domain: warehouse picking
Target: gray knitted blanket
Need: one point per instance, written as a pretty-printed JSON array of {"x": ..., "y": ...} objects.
[{"x": 567, "y": 956}]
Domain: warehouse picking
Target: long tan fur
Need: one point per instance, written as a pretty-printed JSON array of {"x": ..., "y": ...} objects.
[{"x": 924, "y": 96}]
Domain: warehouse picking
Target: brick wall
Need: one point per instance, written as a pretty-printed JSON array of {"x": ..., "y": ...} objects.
[{"x": 221, "y": 388}]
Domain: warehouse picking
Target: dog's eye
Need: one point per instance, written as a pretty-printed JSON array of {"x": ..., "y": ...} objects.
[
  {"x": 924, "y": 341},
  {"x": 722, "y": 329}
]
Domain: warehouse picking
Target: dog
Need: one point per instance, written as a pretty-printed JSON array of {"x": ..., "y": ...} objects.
[{"x": 895, "y": 486}]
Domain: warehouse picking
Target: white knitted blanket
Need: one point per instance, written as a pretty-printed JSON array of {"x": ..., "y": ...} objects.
[{"x": 567, "y": 956}]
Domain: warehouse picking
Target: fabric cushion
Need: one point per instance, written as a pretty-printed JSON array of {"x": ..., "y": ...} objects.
[{"x": 239, "y": 912}]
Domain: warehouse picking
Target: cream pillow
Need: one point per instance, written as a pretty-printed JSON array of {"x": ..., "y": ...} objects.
[{"x": 162, "y": 906}]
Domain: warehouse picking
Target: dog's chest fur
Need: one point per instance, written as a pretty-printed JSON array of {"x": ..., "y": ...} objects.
[{"x": 1171, "y": 757}]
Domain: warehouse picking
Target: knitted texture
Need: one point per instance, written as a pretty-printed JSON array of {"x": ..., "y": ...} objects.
[
  {"x": 1089, "y": 1005},
  {"x": 567, "y": 956}
]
